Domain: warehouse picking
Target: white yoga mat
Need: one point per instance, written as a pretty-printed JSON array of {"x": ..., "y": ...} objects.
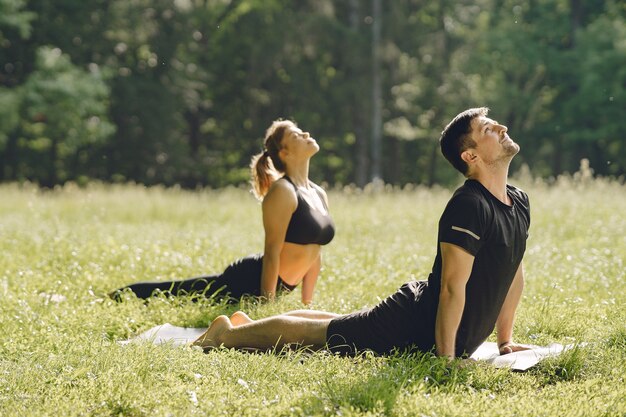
[
  {"x": 166, "y": 333},
  {"x": 519, "y": 361},
  {"x": 488, "y": 351}
]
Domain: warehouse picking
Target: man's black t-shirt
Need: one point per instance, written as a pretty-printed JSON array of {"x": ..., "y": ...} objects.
[{"x": 495, "y": 234}]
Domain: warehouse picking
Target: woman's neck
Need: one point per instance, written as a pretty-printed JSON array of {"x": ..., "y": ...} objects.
[{"x": 299, "y": 174}]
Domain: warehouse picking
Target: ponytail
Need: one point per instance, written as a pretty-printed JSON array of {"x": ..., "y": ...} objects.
[
  {"x": 263, "y": 174},
  {"x": 266, "y": 166}
]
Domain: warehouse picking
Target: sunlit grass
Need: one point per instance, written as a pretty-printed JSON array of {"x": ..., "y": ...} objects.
[{"x": 61, "y": 251}]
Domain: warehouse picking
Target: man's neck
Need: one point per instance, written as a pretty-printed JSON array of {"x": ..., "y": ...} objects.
[{"x": 495, "y": 182}]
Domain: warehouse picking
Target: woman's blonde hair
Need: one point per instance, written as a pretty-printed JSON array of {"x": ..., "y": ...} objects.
[{"x": 266, "y": 166}]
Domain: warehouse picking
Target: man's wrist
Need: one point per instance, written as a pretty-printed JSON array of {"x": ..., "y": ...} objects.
[
  {"x": 267, "y": 297},
  {"x": 441, "y": 353},
  {"x": 504, "y": 344}
]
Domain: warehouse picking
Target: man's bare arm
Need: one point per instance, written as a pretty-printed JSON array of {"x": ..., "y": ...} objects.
[
  {"x": 506, "y": 318},
  {"x": 455, "y": 272}
]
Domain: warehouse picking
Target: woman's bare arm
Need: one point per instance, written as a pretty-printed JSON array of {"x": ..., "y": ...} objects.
[{"x": 278, "y": 206}]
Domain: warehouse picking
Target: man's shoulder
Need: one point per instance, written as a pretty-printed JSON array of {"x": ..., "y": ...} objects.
[
  {"x": 519, "y": 196},
  {"x": 470, "y": 193},
  {"x": 467, "y": 201},
  {"x": 474, "y": 193},
  {"x": 517, "y": 191}
]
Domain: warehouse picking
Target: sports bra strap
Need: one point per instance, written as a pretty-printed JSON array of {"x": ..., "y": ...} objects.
[
  {"x": 290, "y": 182},
  {"x": 315, "y": 188},
  {"x": 319, "y": 193}
]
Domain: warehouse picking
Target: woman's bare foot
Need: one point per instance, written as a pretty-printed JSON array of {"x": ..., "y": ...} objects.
[
  {"x": 239, "y": 317},
  {"x": 213, "y": 336}
]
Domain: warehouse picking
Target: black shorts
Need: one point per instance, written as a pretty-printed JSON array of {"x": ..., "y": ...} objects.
[{"x": 403, "y": 321}]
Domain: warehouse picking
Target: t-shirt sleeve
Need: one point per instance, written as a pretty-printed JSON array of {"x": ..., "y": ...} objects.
[
  {"x": 463, "y": 223},
  {"x": 525, "y": 203},
  {"x": 527, "y": 206}
]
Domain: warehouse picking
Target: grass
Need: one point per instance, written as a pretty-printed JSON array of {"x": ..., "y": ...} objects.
[{"x": 62, "y": 250}]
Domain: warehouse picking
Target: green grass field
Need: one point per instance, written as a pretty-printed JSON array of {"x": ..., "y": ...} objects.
[{"x": 62, "y": 250}]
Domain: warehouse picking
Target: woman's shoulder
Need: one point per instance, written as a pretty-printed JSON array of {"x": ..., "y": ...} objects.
[
  {"x": 281, "y": 190},
  {"x": 283, "y": 183}
]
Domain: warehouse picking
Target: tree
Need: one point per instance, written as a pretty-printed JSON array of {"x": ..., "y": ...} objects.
[
  {"x": 191, "y": 85},
  {"x": 63, "y": 112},
  {"x": 15, "y": 26},
  {"x": 592, "y": 114}
]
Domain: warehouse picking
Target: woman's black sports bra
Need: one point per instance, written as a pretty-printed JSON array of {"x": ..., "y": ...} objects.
[{"x": 308, "y": 225}]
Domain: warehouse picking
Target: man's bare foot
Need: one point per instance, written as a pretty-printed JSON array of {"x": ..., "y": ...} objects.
[
  {"x": 213, "y": 336},
  {"x": 239, "y": 317}
]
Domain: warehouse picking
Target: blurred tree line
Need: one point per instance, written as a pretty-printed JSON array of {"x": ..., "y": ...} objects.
[{"x": 181, "y": 91}]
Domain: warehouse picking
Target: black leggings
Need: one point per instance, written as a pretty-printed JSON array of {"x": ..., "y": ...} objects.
[{"x": 242, "y": 277}]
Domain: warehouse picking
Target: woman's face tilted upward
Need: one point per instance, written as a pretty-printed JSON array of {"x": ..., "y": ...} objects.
[{"x": 297, "y": 144}]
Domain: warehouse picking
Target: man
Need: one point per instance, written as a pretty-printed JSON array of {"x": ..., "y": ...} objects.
[{"x": 475, "y": 284}]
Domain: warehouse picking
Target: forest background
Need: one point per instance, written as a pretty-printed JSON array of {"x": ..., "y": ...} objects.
[{"x": 180, "y": 92}]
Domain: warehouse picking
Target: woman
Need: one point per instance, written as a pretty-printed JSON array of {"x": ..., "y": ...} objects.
[{"x": 296, "y": 222}]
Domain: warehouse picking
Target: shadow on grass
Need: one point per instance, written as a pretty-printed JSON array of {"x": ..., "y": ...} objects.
[
  {"x": 617, "y": 339},
  {"x": 389, "y": 378},
  {"x": 568, "y": 366},
  {"x": 122, "y": 407}
]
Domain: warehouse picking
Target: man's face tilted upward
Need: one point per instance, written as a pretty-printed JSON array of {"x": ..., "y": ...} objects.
[{"x": 493, "y": 143}]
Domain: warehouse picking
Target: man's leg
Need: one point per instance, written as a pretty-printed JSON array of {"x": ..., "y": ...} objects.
[
  {"x": 312, "y": 314},
  {"x": 239, "y": 317},
  {"x": 270, "y": 332}
]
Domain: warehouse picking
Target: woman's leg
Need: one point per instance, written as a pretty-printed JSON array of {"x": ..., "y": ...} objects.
[
  {"x": 271, "y": 332},
  {"x": 241, "y": 277},
  {"x": 149, "y": 289}
]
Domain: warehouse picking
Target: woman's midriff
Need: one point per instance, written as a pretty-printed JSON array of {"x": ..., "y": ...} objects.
[{"x": 296, "y": 260}]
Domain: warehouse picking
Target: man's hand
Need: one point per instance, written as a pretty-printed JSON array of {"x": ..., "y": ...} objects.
[{"x": 510, "y": 347}]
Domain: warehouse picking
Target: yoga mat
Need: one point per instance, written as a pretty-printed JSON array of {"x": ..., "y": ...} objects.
[
  {"x": 487, "y": 352},
  {"x": 519, "y": 361},
  {"x": 166, "y": 333}
]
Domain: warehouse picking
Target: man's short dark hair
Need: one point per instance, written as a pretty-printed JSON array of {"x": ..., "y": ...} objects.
[{"x": 456, "y": 138}]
